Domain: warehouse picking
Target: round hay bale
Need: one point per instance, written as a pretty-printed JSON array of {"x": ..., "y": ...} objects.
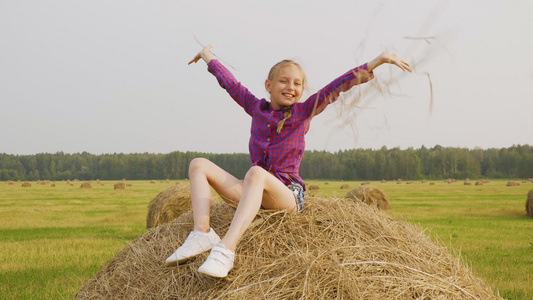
[
  {"x": 26, "y": 184},
  {"x": 383, "y": 181},
  {"x": 513, "y": 183},
  {"x": 168, "y": 205},
  {"x": 479, "y": 182},
  {"x": 345, "y": 186},
  {"x": 468, "y": 182},
  {"x": 86, "y": 185},
  {"x": 153, "y": 181},
  {"x": 334, "y": 249},
  {"x": 9, "y": 182},
  {"x": 53, "y": 185},
  {"x": 120, "y": 186},
  {"x": 314, "y": 187},
  {"x": 326, "y": 183},
  {"x": 529, "y": 203},
  {"x": 370, "y": 195},
  {"x": 432, "y": 183}
]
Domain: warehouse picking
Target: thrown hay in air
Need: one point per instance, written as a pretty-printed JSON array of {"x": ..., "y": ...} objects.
[
  {"x": 168, "y": 205},
  {"x": 86, "y": 185},
  {"x": 529, "y": 203},
  {"x": 334, "y": 249},
  {"x": 120, "y": 186},
  {"x": 26, "y": 184},
  {"x": 370, "y": 195}
]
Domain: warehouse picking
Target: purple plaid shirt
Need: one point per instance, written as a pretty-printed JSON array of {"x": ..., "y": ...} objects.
[{"x": 281, "y": 153}]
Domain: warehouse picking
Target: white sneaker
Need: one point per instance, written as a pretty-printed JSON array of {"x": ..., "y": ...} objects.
[
  {"x": 196, "y": 243},
  {"x": 219, "y": 262}
]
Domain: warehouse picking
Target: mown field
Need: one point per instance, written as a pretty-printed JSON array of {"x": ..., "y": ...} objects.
[{"x": 54, "y": 239}]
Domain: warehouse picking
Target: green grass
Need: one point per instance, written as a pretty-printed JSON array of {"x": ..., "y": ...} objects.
[{"x": 54, "y": 239}]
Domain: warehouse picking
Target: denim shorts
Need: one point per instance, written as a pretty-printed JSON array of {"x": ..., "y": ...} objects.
[{"x": 298, "y": 191}]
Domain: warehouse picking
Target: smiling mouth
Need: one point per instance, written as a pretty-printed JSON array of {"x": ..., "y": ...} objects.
[{"x": 288, "y": 95}]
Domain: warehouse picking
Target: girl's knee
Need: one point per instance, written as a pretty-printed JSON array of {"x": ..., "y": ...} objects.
[
  {"x": 198, "y": 164},
  {"x": 255, "y": 173}
]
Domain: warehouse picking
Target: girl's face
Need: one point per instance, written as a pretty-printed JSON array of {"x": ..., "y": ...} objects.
[{"x": 286, "y": 87}]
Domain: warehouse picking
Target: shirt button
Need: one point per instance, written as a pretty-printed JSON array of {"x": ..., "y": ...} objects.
[
  {"x": 268, "y": 140},
  {"x": 268, "y": 125}
]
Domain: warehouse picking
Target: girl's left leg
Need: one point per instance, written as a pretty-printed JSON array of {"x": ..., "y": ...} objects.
[{"x": 260, "y": 188}]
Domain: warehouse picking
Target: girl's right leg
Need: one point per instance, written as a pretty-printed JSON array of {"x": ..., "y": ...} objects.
[{"x": 204, "y": 174}]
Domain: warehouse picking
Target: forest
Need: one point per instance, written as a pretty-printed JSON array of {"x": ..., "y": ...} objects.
[{"x": 356, "y": 164}]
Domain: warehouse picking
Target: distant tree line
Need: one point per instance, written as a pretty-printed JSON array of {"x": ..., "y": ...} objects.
[{"x": 357, "y": 164}]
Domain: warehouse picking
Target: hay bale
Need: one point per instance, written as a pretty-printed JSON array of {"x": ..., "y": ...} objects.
[
  {"x": 53, "y": 185},
  {"x": 383, "y": 181},
  {"x": 313, "y": 187},
  {"x": 467, "y": 182},
  {"x": 513, "y": 183},
  {"x": 334, "y": 249},
  {"x": 26, "y": 184},
  {"x": 345, "y": 186},
  {"x": 153, "y": 181},
  {"x": 479, "y": 182},
  {"x": 168, "y": 205},
  {"x": 9, "y": 182},
  {"x": 529, "y": 203},
  {"x": 86, "y": 185},
  {"x": 120, "y": 186},
  {"x": 432, "y": 183},
  {"x": 370, "y": 195}
]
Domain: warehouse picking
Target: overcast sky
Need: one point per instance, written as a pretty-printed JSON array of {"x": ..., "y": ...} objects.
[{"x": 112, "y": 76}]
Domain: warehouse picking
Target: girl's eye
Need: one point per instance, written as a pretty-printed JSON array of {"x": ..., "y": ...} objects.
[{"x": 298, "y": 83}]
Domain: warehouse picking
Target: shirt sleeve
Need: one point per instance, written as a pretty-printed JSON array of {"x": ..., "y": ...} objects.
[
  {"x": 317, "y": 102},
  {"x": 235, "y": 89}
]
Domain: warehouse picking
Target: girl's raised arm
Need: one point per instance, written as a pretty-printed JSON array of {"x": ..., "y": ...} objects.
[{"x": 205, "y": 54}]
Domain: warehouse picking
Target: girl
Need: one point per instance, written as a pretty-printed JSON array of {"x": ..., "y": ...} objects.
[{"x": 276, "y": 149}]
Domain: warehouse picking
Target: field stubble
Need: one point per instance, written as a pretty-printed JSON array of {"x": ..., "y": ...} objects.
[{"x": 54, "y": 239}]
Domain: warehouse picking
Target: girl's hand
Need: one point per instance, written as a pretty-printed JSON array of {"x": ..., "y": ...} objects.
[
  {"x": 205, "y": 54},
  {"x": 390, "y": 58}
]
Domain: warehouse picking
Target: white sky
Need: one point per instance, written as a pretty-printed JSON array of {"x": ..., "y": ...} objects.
[{"x": 112, "y": 76}]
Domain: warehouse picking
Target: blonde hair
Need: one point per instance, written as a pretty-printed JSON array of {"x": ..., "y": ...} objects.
[{"x": 273, "y": 73}]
